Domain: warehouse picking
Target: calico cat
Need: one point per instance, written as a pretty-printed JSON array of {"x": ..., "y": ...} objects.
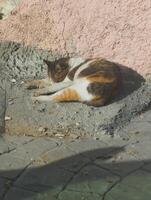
[{"x": 91, "y": 81}]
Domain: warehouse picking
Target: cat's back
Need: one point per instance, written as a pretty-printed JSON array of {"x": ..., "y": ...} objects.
[
  {"x": 97, "y": 67},
  {"x": 97, "y": 77}
]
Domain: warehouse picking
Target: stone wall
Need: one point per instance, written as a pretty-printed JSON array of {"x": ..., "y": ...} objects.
[{"x": 118, "y": 30}]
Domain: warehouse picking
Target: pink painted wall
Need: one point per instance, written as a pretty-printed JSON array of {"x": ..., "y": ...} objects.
[{"x": 119, "y": 30}]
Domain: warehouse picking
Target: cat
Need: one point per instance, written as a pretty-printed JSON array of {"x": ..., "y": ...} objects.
[{"x": 94, "y": 82}]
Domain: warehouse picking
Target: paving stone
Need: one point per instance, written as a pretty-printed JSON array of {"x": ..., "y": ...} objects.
[
  {"x": 116, "y": 141},
  {"x": 136, "y": 186},
  {"x": 147, "y": 167},
  {"x": 49, "y": 194},
  {"x": 9, "y": 143},
  {"x": 17, "y": 140},
  {"x": 41, "y": 177},
  {"x": 92, "y": 148},
  {"x": 10, "y": 166},
  {"x": 141, "y": 150},
  {"x": 74, "y": 195},
  {"x": 4, "y": 183},
  {"x": 34, "y": 149},
  {"x": 121, "y": 164},
  {"x": 137, "y": 129},
  {"x": 139, "y": 133},
  {"x": 92, "y": 179},
  {"x": 3, "y": 146},
  {"x": 65, "y": 158},
  {"x": 19, "y": 194}
]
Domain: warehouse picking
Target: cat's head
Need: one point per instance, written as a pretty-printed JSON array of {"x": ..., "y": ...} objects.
[{"x": 57, "y": 70}]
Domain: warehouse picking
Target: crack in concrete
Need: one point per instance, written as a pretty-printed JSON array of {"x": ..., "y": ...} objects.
[
  {"x": 121, "y": 179},
  {"x": 106, "y": 169},
  {"x": 15, "y": 148},
  {"x": 60, "y": 14},
  {"x": 110, "y": 188},
  {"x": 76, "y": 173},
  {"x": 62, "y": 6},
  {"x": 32, "y": 190},
  {"x": 146, "y": 170},
  {"x": 65, "y": 44},
  {"x": 14, "y": 180},
  {"x": 69, "y": 181},
  {"x": 7, "y": 151},
  {"x": 34, "y": 139},
  {"x": 78, "y": 191}
]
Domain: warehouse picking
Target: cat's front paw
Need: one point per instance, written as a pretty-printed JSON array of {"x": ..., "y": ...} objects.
[
  {"x": 30, "y": 85},
  {"x": 43, "y": 91},
  {"x": 40, "y": 99},
  {"x": 36, "y": 94}
]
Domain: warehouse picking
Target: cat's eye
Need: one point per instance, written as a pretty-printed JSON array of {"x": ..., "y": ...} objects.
[{"x": 58, "y": 68}]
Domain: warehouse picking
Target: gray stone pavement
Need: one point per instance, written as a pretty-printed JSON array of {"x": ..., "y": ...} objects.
[{"x": 46, "y": 168}]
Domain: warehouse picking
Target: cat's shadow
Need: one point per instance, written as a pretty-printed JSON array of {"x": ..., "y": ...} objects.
[{"x": 130, "y": 82}]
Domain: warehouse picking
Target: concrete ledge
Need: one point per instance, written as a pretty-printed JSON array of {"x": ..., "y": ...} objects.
[
  {"x": 18, "y": 63},
  {"x": 2, "y": 109}
]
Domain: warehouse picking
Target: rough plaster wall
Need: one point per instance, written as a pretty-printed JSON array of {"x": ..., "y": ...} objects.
[{"x": 118, "y": 30}]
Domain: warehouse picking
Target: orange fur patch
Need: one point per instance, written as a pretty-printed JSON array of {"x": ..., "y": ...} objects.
[
  {"x": 101, "y": 79},
  {"x": 96, "y": 101},
  {"x": 67, "y": 95}
]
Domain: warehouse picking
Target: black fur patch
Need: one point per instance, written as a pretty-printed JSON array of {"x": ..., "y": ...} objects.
[
  {"x": 71, "y": 73},
  {"x": 100, "y": 66},
  {"x": 100, "y": 89},
  {"x": 58, "y": 69}
]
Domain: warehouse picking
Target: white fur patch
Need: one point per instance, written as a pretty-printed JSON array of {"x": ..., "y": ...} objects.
[
  {"x": 84, "y": 66},
  {"x": 66, "y": 79},
  {"x": 42, "y": 98},
  {"x": 73, "y": 62},
  {"x": 80, "y": 86}
]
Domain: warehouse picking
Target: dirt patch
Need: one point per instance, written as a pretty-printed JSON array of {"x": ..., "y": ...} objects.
[{"x": 19, "y": 62}]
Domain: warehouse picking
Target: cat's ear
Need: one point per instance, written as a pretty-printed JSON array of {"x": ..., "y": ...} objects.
[{"x": 47, "y": 62}]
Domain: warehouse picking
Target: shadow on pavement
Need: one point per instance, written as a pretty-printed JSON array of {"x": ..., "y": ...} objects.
[{"x": 88, "y": 171}]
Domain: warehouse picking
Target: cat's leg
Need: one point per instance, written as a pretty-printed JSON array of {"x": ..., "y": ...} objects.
[
  {"x": 53, "y": 88},
  {"x": 34, "y": 84},
  {"x": 67, "y": 94},
  {"x": 76, "y": 92},
  {"x": 79, "y": 91},
  {"x": 96, "y": 102}
]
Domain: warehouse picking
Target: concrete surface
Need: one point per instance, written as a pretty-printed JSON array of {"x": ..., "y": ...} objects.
[
  {"x": 44, "y": 168},
  {"x": 6, "y": 7},
  {"x": 19, "y": 63},
  {"x": 2, "y": 108},
  {"x": 65, "y": 151},
  {"x": 118, "y": 30}
]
